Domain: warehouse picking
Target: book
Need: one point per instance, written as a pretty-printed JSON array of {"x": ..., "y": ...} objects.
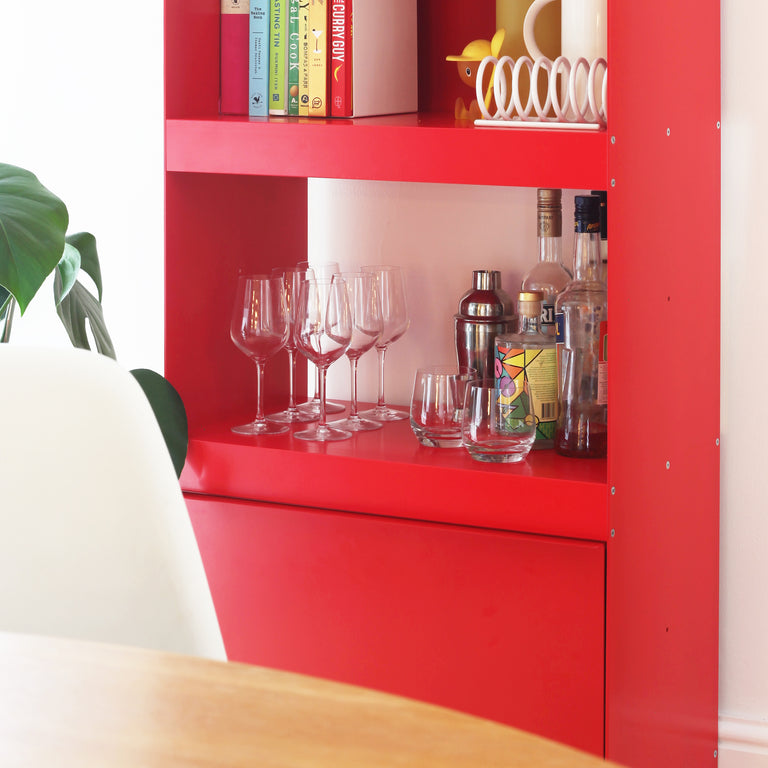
[
  {"x": 278, "y": 72},
  {"x": 233, "y": 57},
  {"x": 258, "y": 55},
  {"x": 304, "y": 36},
  {"x": 293, "y": 57},
  {"x": 340, "y": 64},
  {"x": 318, "y": 58},
  {"x": 384, "y": 58}
]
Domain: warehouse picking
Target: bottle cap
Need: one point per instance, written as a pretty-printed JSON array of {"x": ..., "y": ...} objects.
[
  {"x": 551, "y": 198},
  {"x": 529, "y": 303},
  {"x": 586, "y": 213}
]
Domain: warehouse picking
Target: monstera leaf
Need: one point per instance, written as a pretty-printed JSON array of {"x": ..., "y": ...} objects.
[{"x": 33, "y": 222}]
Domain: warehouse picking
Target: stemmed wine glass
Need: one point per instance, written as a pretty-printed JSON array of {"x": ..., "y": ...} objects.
[
  {"x": 323, "y": 333},
  {"x": 292, "y": 279},
  {"x": 324, "y": 271},
  {"x": 390, "y": 281},
  {"x": 259, "y": 328},
  {"x": 365, "y": 308}
]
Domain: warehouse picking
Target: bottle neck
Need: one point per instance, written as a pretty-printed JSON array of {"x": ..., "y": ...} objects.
[
  {"x": 527, "y": 324},
  {"x": 551, "y": 249},
  {"x": 587, "y": 262}
]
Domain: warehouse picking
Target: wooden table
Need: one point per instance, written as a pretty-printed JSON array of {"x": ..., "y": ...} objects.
[{"x": 70, "y": 703}]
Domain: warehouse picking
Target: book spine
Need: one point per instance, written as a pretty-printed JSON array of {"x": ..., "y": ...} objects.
[
  {"x": 293, "y": 57},
  {"x": 304, "y": 37},
  {"x": 277, "y": 50},
  {"x": 233, "y": 64},
  {"x": 340, "y": 16},
  {"x": 318, "y": 58},
  {"x": 258, "y": 58}
]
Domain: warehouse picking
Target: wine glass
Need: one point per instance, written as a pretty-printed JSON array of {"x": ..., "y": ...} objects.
[
  {"x": 365, "y": 308},
  {"x": 323, "y": 333},
  {"x": 390, "y": 281},
  {"x": 324, "y": 271},
  {"x": 259, "y": 328},
  {"x": 292, "y": 279}
]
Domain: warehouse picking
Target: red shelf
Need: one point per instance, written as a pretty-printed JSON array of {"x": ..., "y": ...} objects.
[
  {"x": 424, "y": 147},
  {"x": 377, "y": 472}
]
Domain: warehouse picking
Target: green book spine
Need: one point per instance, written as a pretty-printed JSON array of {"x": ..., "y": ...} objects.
[
  {"x": 277, "y": 50},
  {"x": 293, "y": 57}
]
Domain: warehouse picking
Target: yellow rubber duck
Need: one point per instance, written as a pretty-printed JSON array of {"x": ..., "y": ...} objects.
[{"x": 468, "y": 62}]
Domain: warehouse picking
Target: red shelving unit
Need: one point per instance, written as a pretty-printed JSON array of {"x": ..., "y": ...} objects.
[{"x": 577, "y": 599}]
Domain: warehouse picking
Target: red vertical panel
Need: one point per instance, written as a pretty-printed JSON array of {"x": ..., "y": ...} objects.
[
  {"x": 504, "y": 626},
  {"x": 216, "y": 226},
  {"x": 662, "y": 595},
  {"x": 191, "y": 58}
]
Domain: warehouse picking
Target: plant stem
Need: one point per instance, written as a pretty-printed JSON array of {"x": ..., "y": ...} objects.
[{"x": 10, "y": 306}]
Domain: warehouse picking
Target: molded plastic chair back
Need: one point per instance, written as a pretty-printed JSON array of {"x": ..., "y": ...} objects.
[{"x": 95, "y": 539}]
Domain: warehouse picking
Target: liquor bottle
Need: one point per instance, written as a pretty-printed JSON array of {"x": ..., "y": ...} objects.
[
  {"x": 529, "y": 355},
  {"x": 603, "y": 195},
  {"x": 548, "y": 274},
  {"x": 582, "y": 332}
]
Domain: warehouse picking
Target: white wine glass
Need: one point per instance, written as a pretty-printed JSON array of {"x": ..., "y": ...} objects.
[
  {"x": 365, "y": 308},
  {"x": 323, "y": 333},
  {"x": 292, "y": 280},
  {"x": 259, "y": 328},
  {"x": 390, "y": 281},
  {"x": 323, "y": 271}
]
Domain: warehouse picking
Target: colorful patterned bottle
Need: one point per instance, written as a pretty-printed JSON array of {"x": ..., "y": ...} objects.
[
  {"x": 582, "y": 333},
  {"x": 548, "y": 274},
  {"x": 528, "y": 357}
]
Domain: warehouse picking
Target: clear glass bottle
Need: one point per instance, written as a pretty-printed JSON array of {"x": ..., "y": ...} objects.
[
  {"x": 582, "y": 332},
  {"x": 548, "y": 274},
  {"x": 529, "y": 355}
]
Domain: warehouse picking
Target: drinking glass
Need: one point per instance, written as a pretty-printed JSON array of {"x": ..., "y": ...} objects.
[
  {"x": 323, "y": 271},
  {"x": 292, "y": 279},
  {"x": 437, "y": 404},
  {"x": 323, "y": 333},
  {"x": 365, "y": 309},
  {"x": 498, "y": 425},
  {"x": 259, "y": 328},
  {"x": 390, "y": 281}
]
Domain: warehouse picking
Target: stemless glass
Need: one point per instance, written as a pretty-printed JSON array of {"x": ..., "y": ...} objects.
[
  {"x": 390, "y": 281},
  {"x": 365, "y": 308},
  {"x": 323, "y": 333},
  {"x": 324, "y": 271},
  {"x": 259, "y": 328},
  {"x": 292, "y": 279}
]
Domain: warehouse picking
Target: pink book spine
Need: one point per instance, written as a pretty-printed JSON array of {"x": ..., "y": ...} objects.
[
  {"x": 234, "y": 57},
  {"x": 340, "y": 64}
]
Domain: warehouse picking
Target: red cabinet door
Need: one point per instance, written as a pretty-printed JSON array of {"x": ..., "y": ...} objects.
[{"x": 505, "y": 626}]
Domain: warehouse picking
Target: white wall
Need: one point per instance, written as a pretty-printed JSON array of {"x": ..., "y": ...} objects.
[{"x": 80, "y": 105}]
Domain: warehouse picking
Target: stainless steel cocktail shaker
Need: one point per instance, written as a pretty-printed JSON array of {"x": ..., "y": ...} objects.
[{"x": 484, "y": 312}]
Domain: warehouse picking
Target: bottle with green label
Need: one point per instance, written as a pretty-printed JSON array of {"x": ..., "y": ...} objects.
[{"x": 528, "y": 358}]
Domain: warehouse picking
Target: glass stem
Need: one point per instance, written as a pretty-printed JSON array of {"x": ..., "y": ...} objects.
[
  {"x": 321, "y": 382},
  {"x": 317, "y": 383},
  {"x": 382, "y": 351},
  {"x": 353, "y": 387},
  {"x": 291, "y": 380},
  {"x": 259, "y": 390}
]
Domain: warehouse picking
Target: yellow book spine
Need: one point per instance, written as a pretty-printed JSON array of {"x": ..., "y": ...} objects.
[{"x": 318, "y": 58}]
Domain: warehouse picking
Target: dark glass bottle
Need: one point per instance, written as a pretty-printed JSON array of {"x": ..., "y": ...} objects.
[{"x": 582, "y": 331}]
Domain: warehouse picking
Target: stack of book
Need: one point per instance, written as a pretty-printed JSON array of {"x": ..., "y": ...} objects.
[{"x": 318, "y": 58}]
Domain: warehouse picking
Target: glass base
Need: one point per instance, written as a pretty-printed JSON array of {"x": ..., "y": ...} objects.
[
  {"x": 313, "y": 407},
  {"x": 384, "y": 413},
  {"x": 293, "y": 416},
  {"x": 323, "y": 434},
  {"x": 263, "y": 427},
  {"x": 357, "y": 424}
]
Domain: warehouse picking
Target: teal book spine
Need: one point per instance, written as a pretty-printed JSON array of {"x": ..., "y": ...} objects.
[
  {"x": 258, "y": 59},
  {"x": 278, "y": 33},
  {"x": 293, "y": 59}
]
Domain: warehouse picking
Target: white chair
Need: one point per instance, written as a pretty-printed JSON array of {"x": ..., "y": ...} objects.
[{"x": 95, "y": 539}]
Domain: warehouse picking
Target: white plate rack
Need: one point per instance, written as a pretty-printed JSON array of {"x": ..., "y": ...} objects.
[{"x": 581, "y": 103}]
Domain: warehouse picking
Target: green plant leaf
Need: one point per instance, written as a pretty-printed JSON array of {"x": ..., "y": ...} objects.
[
  {"x": 33, "y": 222},
  {"x": 68, "y": 267},
  {"x": 75, "y": 308},
  {"x": 169, "y": 411},
  {"x": 85, "y": 243}
]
